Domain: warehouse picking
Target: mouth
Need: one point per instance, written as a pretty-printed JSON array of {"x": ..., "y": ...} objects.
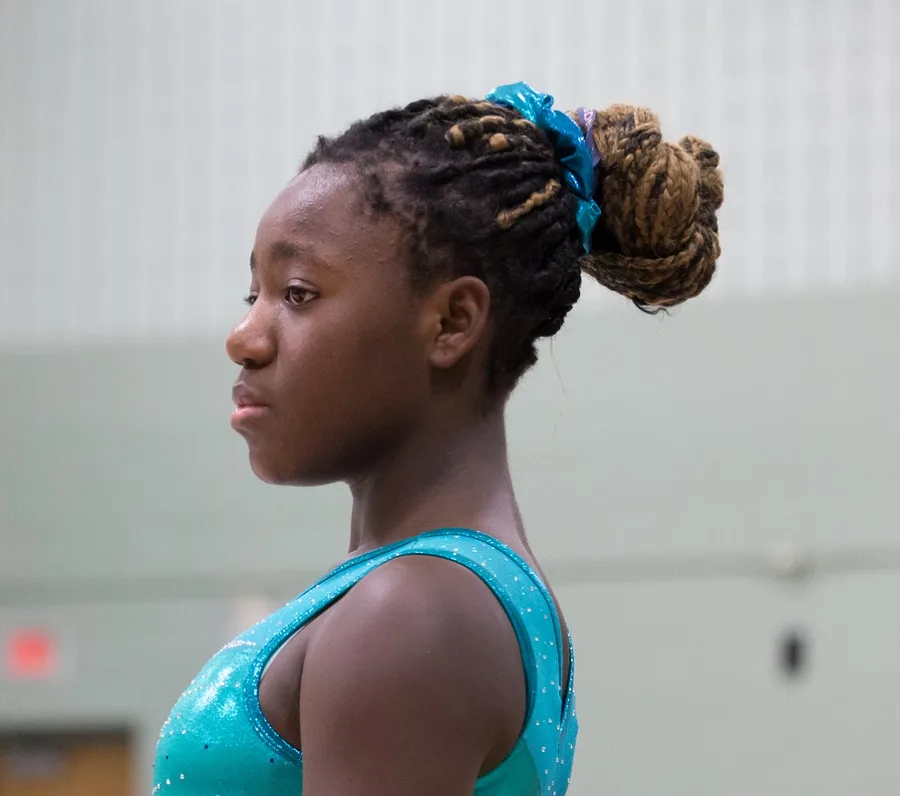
[{"x": 248, "y": 407}]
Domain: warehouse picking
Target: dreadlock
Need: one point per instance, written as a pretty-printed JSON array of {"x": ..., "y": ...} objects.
[{"x": 478, "y": 191}]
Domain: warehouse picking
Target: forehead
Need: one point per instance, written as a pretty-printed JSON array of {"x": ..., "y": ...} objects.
[{"x": 321, "y": 211}]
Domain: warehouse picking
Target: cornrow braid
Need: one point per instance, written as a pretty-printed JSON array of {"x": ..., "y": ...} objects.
[{"x": 479, "y": 191}]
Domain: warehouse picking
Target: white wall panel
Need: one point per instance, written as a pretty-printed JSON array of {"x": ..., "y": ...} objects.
[{"x": 141, "y": 139}]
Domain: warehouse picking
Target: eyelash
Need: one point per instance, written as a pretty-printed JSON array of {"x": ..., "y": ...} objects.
[{"x": 308, "y": 295}]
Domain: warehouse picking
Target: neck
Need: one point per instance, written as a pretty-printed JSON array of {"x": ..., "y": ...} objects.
[{"x": 451, "y": 476}]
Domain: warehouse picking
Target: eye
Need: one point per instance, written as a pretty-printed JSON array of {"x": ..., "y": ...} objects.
[
  {"x": 295, "y": 295},
  {"x": 250, "y": 299}
]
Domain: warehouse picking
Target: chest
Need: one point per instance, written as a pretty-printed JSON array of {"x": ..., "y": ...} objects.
[{"x": 218, "y": 739}]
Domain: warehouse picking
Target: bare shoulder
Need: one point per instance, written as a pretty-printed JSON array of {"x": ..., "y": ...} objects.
[
  {"x": 442, "y": 594},
  {"x": 427, "y": 620},
  {"x": 416, "y": 670}
]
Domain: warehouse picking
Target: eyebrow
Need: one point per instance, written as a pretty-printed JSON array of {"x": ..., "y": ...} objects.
[{"x": 286, "y": 250}]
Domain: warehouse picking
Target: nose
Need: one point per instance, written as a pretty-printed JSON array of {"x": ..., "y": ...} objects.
[{"x": 251, "y": 343}]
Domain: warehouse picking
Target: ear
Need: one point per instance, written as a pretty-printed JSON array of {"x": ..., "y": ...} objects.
[{"x": 458, "y": 313}]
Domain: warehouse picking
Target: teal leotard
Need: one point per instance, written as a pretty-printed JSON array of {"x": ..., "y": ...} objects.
[{"x": 217, "y": 742}]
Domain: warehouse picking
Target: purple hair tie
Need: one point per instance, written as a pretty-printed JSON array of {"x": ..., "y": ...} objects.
[{"x": 586, "y": 117}]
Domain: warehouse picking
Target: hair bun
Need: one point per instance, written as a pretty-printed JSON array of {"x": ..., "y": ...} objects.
[{"x": 657, "y": 241}]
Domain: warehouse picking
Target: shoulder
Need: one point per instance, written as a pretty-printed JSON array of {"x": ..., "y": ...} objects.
[
  {"x": 443, "y": 595},
  {"x": 419, "y": 652},
  {"x": 424, "y": 618}
]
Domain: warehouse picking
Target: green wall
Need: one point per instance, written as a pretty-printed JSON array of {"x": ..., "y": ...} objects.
[{"x": 663, "y": 465}]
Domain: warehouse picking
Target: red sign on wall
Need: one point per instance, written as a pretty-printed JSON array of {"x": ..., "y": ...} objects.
[{"x": 30, "y": 654}]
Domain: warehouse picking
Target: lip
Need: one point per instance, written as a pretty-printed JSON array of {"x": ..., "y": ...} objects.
[
  {"x": 244, "y": 415},
  {"x": 250, "y": 405}
]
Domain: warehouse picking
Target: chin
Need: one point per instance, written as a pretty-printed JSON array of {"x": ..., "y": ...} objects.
[{"x": 282, "y": 473}]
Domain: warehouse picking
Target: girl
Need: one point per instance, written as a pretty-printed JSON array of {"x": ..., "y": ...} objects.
[{"x": 398, "y": 285}]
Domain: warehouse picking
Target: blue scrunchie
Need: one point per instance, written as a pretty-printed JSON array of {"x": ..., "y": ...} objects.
[{"x": 569, "y": 144}]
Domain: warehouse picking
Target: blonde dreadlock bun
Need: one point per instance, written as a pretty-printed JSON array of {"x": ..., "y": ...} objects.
[{"x": 657, "y": 240}]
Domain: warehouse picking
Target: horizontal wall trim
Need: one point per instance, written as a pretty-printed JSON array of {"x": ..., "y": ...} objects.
[{"x": 786, "y": 565}]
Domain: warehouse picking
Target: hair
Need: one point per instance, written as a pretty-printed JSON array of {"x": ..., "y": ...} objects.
[{"x": 478, "y": 191}]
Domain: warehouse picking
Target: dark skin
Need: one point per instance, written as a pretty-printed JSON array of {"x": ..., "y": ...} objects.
[{"x": 411, "y": 683}]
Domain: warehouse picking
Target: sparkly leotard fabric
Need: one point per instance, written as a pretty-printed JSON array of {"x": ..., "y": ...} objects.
[{"x": 217, "y": 742}]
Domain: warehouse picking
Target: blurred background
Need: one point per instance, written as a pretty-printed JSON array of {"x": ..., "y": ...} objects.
[{"x": 713, "y": 493}]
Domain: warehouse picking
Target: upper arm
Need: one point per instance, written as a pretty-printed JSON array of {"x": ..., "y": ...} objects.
[{"x": 410, "y": 685}]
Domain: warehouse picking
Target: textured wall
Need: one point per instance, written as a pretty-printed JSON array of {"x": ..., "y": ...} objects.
[{"x": 140, "y": 140}]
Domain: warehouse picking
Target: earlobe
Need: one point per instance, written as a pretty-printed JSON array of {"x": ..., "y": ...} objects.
[{"x": 462, "y": 309}]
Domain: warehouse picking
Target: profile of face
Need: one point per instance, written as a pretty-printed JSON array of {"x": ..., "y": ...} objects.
[{"x": 339, "y": 349}]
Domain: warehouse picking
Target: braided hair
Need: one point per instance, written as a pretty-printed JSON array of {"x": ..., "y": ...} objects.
[{"x": 478, "y": 191}]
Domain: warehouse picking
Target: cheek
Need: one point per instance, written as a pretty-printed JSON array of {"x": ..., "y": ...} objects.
[
  {"x": 350, "y": 364},
  {"x": 375, "y": 340},
  {"x": 352, "y": 384}
]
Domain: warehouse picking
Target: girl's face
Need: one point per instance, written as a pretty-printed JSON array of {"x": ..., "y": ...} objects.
[{"x": 334, "y": 348}]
